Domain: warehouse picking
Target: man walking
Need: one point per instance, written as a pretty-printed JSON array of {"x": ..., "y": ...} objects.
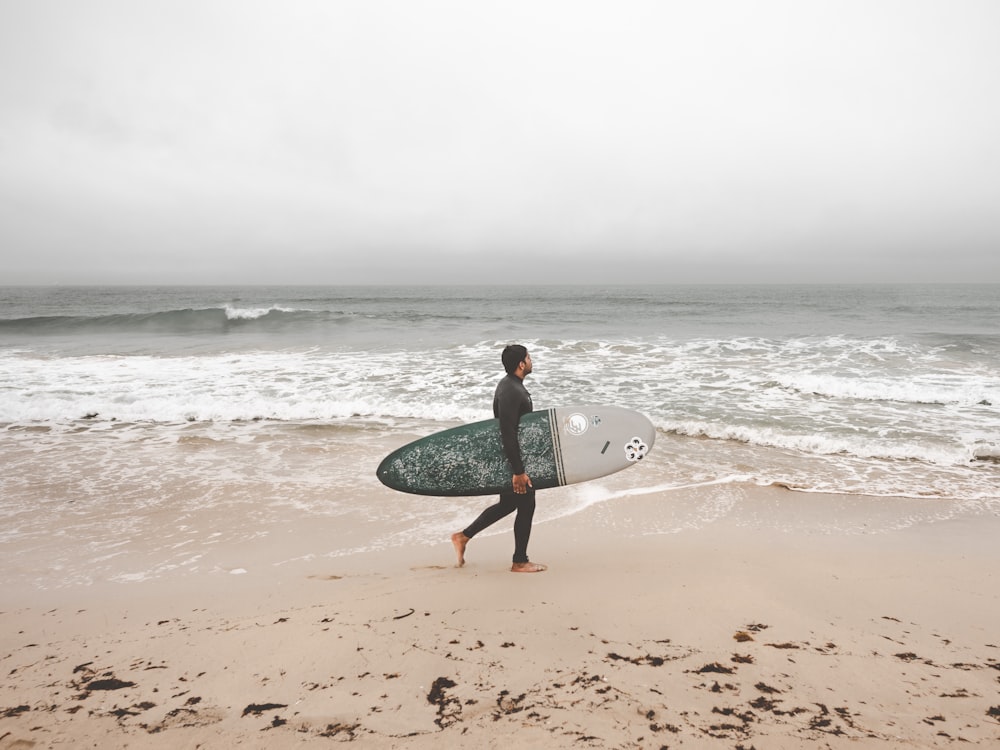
[{"x": 510, "y": 402}]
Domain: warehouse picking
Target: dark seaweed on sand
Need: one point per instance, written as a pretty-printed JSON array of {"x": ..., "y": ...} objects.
[{"x": 258, "y": 708}]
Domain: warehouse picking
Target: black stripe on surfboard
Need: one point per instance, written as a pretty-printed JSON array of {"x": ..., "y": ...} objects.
[{"x": 557, "y": 448}]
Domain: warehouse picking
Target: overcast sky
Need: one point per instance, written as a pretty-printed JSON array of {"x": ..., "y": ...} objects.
[{"x": 367, "y": 142}]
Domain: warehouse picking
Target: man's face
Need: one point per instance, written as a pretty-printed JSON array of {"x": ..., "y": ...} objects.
[{"x": 527, "y": 364}]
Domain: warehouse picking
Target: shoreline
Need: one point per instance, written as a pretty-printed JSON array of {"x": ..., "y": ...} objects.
[{"x": 749, "y": 629}]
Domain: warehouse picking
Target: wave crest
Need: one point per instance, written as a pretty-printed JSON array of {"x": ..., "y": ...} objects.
[
  {"x": 188, "y": 320},
  {"x": 254, "y": 313}
]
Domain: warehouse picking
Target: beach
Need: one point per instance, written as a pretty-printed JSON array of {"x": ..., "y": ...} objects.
[{"x": 762, "y": 628}]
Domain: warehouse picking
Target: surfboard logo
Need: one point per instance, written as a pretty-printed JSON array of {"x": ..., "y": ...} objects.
[
  {"x": 576, "y": 424},
  {"x": 635, "y": 450}
]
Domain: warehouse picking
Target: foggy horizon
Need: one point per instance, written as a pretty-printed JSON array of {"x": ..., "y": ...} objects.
[{"x": 390, "y": 143}]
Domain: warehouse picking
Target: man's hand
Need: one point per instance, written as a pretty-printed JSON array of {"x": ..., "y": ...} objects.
[{"x": 521, "y": 483}]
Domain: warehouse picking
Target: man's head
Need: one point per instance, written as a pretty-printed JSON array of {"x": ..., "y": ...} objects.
[{"x": 516, "y": 360}]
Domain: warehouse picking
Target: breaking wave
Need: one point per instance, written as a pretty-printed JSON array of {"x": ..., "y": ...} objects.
[{"x": 207, "y": 320}]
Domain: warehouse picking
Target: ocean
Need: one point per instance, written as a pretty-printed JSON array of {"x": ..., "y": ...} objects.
[{"x": 168, "y": 431}]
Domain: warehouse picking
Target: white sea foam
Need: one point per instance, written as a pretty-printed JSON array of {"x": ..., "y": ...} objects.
[
  {"x": 253, "y": 313},
  {"x": 966, "y": 389},
  {"x": 748, "y": 391}
]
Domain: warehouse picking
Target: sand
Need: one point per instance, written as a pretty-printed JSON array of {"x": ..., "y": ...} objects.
[{"x": 745, "y": 633}]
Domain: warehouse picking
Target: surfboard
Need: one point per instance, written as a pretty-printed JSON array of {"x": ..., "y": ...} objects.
[{"x": 560, "y": 446}]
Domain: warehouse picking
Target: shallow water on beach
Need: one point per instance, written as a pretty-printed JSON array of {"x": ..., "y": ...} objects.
[
  {"x": 134, "y": 503},
  {"x": 149, "y": 433}
]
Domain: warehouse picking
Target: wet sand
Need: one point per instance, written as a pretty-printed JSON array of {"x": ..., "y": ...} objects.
[{"x": 738, "y": 634}]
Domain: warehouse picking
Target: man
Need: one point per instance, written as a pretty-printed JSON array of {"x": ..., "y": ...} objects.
[{"x": 510, "y": 402}]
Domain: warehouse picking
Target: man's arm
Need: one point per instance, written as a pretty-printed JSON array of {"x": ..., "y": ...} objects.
[
  {"x": 508, "y": 408},
  {"x": 510, "y": 419}
]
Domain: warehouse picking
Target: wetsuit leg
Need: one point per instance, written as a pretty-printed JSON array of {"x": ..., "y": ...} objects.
[
  {"x": 508, "y": 503},
  {"x": 503, "y": 508},
  {"x": 522, "y": 525}
]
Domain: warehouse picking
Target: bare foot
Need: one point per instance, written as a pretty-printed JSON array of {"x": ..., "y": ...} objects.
[
  {"x": 527, "y": 567},
  {"x": 460, "y": 540}
]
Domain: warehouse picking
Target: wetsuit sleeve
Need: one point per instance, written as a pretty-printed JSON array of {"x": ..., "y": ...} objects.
[
  {"x": 508, "y": 406},
  {"x": 510, "y": 418}
]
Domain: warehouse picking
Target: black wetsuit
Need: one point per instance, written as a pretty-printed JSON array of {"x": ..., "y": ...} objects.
[{"x": 510, "y": 402}]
